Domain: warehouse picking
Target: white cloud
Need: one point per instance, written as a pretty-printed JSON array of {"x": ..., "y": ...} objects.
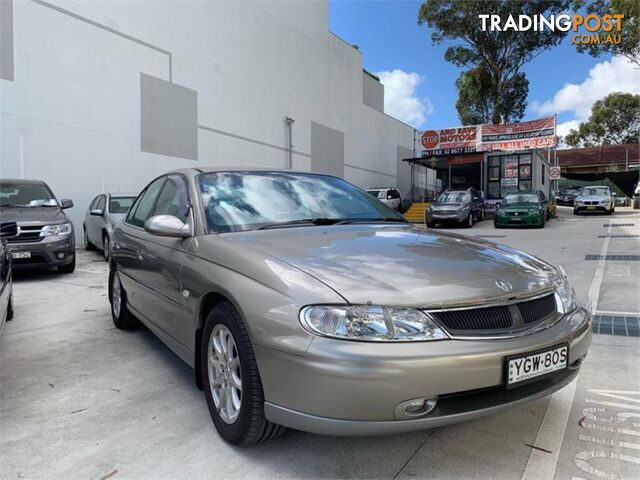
[
  {"x": 400, "y": 99},
  {"x": 615, "y": 75}
]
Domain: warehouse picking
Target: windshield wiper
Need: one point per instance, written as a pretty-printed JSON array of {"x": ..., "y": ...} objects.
[{"x": 302, "y": 222}]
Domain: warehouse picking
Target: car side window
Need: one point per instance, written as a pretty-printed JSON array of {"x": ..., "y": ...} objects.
[
  {"x": 144, "y": 205},
  {"x": 101, "y": 203},
  {"x": 174, "y": 198}
]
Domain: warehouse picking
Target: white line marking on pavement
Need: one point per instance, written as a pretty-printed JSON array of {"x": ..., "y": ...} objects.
[
  {"x": 551, "y": 431},
  {"x": 542, "y": 465},
  {"x": 607, "y": 312}
]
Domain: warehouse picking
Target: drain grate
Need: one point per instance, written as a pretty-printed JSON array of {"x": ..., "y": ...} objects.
[
  {"x": 615, "y": 258},
  {"x": 618, "y": 236},
  {"x": 624, "y": 325},
  {"x": 618, "y": 225}
]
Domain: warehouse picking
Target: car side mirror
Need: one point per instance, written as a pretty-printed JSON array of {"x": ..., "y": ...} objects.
[
  {"x": 8, "y": 229},
  {"x": 614, "y": 194},
  {"x": 167, "y": 226},
  {"x": 96, "y": 212},
  {"x": 66, "y": 203}
]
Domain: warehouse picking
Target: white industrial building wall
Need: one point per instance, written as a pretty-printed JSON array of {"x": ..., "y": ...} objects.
[{"x": 71, "y": 114}]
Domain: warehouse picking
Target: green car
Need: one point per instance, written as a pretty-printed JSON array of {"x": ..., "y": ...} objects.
[{"x": 523, "y": 209}]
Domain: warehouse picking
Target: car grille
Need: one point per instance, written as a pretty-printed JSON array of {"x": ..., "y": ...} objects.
[
  {"x": 27, "y": 235},
  {"x": 445, "y": 212},
  {"x": 517, "y": 214},
  {"x": 502, "y": 317},
  {"x": 589, "y": 202}
]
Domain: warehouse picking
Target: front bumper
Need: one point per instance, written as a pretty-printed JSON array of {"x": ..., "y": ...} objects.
[
  {"x": 513, "y": 221},
  {"x": 591, "y": 208},
  {"x": 46, "y": 253},
  {"x": 353, "y": 388},
  {"x": 458, "y": 217}
]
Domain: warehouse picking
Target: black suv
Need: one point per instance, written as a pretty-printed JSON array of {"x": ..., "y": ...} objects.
[
  {"x": 44, "y": 236},
  {"x": 456, "y": 206}
]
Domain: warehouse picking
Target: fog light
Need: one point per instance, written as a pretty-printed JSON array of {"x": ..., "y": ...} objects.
[
  {"x": 60, "y": 255},
  {"x": 417, "y": 407}
]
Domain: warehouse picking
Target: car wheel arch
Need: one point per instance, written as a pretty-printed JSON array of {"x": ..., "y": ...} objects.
[{"x": 208, "y": 301}]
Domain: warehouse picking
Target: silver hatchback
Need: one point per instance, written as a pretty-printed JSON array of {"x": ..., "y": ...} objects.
[{"x": 301, "y": 301}]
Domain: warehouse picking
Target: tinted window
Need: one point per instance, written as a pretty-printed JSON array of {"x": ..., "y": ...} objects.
[
  {"x": 120, "y": 204},
  {"x": 144, "y": 205},
  {"x": 517, "y": 198},
  {"x": 26, "y": 195},
  {"x": 454, "y": 197},
  {"x": 174, "y": 198},
  {"x": 249, "y": 200}
]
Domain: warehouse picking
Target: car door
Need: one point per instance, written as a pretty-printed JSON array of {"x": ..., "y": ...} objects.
[
  {"x": 97, "y": 224},
  {"x": 476, "y": 204},
  {"x": 162, "y": 263},
  {"x": 128, "y": 245},
  {"x": 88, "y": 218}
]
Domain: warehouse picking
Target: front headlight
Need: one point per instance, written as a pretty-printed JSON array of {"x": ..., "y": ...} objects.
[
  {"x": 370, "y": 323},
  {"x": 59, "y": 229},
  {"x": 566, "y": 294}
]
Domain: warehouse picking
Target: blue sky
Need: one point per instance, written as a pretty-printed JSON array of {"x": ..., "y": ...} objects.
[{"x": 389, "y": 38}]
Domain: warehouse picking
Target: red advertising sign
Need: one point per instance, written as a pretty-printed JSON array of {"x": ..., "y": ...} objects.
[{"x": 540, "y": 133}]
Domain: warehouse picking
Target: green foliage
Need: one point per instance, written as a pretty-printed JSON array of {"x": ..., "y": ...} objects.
[
  {"x": 614, "y": 120},
  {"x": 492, "y": 88},
  {"x": 629, "y": 46},
  {"x": 477, "y": 97}
]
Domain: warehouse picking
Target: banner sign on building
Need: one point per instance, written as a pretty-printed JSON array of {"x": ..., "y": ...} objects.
[{"x": 540, "y": 133}]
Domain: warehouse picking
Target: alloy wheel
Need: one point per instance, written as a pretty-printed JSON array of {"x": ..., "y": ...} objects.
[
  {"x": 225, "y": 376},
  {"x": 116, "y": 295}
]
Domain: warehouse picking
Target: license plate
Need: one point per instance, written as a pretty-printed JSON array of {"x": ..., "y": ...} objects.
[
  {"x": 591, "y": 207},
  {"x": 533, "y": 365},
  {"x": 20, "y": 254}
]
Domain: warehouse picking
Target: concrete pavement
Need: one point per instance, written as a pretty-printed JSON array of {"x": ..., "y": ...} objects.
[{"x": 80, "y": 399}]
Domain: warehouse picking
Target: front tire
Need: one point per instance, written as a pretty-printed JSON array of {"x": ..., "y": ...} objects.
[
  {"x": 10, "y": 308},
  {"x": 69, "y": 267},
  {"x": 469, "y": 222},
  {"x": 105, "y": 247},
  {"x": 231, "y": 380},
  {"x": 87, "y": 244},
  {"x": 120, "y": 314},
  {"x": 576, "y": 211}
]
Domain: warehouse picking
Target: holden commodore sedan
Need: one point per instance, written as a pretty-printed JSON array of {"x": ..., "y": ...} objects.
[{"x": 301, "y": 301}]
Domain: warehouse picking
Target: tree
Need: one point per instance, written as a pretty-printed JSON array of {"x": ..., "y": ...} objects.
[
  {"x": 476, "y": 97},
  {"x": 499, "y": 55},
  {"x": 629, "y": 46},
  {"x": 614, "y": 120}
]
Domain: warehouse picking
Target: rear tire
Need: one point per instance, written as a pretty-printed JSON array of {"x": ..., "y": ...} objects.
[
  {"x": 247, "y": 425},
  {"x": 69, "y": 267},
  {"x": 482, "y": 214},
  {"x": 120, "y": 314}
]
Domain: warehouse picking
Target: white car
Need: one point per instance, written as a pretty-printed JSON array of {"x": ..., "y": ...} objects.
[
  {"x": 595, "y": 199},
  {"x": 390, "y": 196}
]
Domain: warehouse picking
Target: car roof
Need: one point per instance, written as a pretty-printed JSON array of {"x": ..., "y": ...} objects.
[
  {"x": 120, "y": 195},
  {"x": 22, "y": 181}
]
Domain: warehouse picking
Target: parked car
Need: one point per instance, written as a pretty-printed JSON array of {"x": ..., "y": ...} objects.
[
  {"x": 525, "y": 208},
  {"x": 45, "y": 236},
  {"x": 7, "y": 229},
  {"x": 302, "y": 302},
  {"x": 456, "y": 206},
  {"x": 595, "y": 199},
  {"x": 567, "y": 196},
  {"x": 103, "y": 213},
  {"x": 390, "y": 196}
]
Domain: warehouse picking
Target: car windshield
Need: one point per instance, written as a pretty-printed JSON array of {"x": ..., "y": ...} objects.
[
  {"x": 120, "y": 204},
  {"x": 379, "y": 194},
  {"x": 26, "y": 195},
  {"x": 570, "y": 191},
  {"x": 594, "y": 191},
  {"x": 521, "y": 198},
  {"x": 236, "y": 201},
  {"x": 454, "y": 197}
]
